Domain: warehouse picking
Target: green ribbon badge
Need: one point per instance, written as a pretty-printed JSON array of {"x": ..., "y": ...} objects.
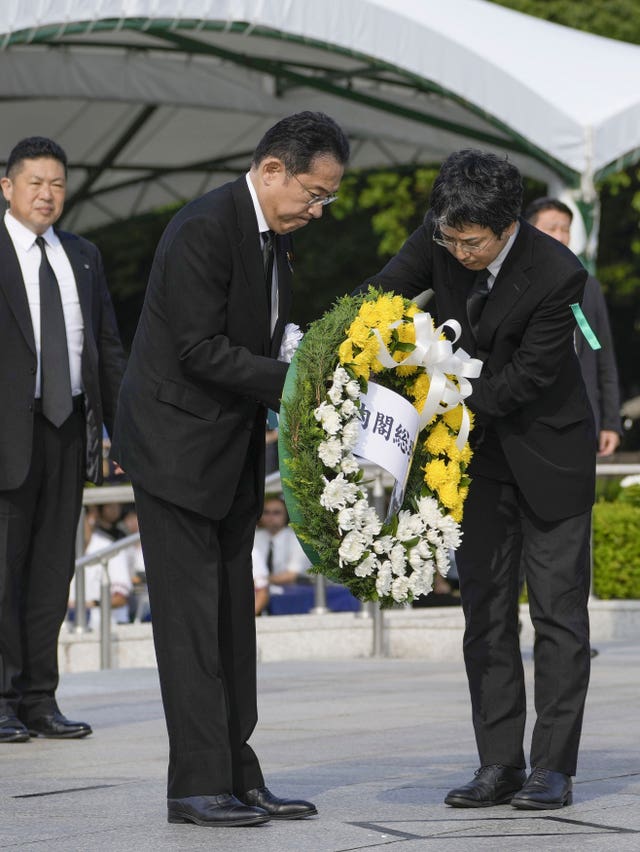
[{"x": 585, "y": 328}]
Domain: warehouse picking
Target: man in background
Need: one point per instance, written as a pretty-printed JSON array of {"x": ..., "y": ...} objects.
[
  {"x": 599, "y": 370},
  {"x": 61, "y": 362}
]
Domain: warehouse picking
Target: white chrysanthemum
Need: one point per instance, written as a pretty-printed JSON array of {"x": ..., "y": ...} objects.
[
  {"x": 352, "y": 547},
  {"x": 451, "y": 533},
  {"x": 399, "y": 589},
  {"x": 429, "y": 511},
  {"x": 338, "y": 493},
  {"x": 371, "y": 524},
  {"x": 384, "y": 579},
  {"x": 329, "y": 417},
  {"x": 415, "y": 559},
  {"x": 442, "y": 560},
  {"x": 335, "y": 394},
  {"x": 346, "y": 519},
  {"x": 353, "y": 388},
  {"x": 398, "y": 559},
  {"x": 409, "y": 525},
  {"x": 340, "y": 376},
  {"x": 349, "y": 465},
  {"x": 348, "y": 408},
  {"x": 421, "y": 582},
  {"x": 424, "y": 549},
  {"x": 383, "y": 544},
  {"x": 350, "y": 434},
  {"x": 367, "y": 566},
  {"x": 330, "y": 452}
]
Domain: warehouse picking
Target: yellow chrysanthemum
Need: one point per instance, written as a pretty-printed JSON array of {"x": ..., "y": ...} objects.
[
  {"x": 412, "y": 310},
  {"x": 462, "y": 456},
  {"x": 439, "y": 440},
  {"x": 419, "y": 390},
  {"x": 448, "y": 495},
  {"x": 435, "y": 474},
  {"x": 453, "y": 417},
  {"x": 345, "y": 352},
  {"x": 406, "y": 371},
  {"x": 359, "y": 332}
]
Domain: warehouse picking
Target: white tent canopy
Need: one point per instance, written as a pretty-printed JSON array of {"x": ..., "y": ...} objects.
[{"x": 158, "y": 100}]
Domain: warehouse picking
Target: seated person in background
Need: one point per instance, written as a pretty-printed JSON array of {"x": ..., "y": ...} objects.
[
  {"x": 260, "y": 581},
  {"x": 96, "y": 539},
  {"x": 279, "y": 547},
  {"x": 108, "y": 520}
]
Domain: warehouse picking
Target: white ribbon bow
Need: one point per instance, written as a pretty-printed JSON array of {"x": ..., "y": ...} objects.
[{"x": 449, "y": 372}]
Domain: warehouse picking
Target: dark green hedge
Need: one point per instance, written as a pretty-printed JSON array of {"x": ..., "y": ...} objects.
[{"x": 616, "y": 550}]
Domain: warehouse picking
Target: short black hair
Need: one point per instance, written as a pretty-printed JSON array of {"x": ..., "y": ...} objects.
[
  {"x": 33, "y": 148},
  {"x": 299, "y": 138},
  {"x": 547, "y": 202},
  {"x": 479, "y": 188}
]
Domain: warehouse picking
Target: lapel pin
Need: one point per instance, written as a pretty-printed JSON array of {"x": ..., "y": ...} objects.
[{"x": 290, "y": 261}]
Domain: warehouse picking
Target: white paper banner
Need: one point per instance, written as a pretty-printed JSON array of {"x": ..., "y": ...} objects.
[{"x": 389, "y": 426}]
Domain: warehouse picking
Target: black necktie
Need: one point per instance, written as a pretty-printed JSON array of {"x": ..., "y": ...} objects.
[
  {"x": 55, "y": 382},
  {"x": 270, "y": 557},
  {"x": 477, "y": 298},
  {"x": 267, "y": 260}
]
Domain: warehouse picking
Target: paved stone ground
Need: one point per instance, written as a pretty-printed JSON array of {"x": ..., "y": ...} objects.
[{"x": 376, "y": 743}]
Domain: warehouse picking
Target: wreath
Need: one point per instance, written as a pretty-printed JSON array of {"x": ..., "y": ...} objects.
[{"x": 383, "y": 338}]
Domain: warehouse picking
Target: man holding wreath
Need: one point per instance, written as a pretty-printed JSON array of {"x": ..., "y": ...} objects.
[
  {"x": 533, "y": 473},
  {"x": 190, "y": 433}
]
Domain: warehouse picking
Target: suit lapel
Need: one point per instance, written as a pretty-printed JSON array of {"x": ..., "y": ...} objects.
[
  {"x": 510, "y": 284},
  {"x": 251, "y": 254},
  {"x": 12, "y": 284}
]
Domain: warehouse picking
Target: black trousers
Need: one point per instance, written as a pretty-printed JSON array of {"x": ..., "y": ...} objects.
[
  {"x": 200, "y": 581},
  {"x": 500, "y": 531},
  {"x": 38, "y": 523}
]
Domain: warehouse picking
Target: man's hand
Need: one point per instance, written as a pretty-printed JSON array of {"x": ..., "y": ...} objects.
[{"x": 608, "y": 443}]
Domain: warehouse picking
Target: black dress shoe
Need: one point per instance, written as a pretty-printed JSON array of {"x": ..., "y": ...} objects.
[
  {"x": 492, "y": 785},
  {"x": 12, "y": 730},
  {"x": 57, "y": 726},
  {"x": 277, "y": 808},
  {"x": 223, "y": 810},
  {"x": 544, "y": 790}
]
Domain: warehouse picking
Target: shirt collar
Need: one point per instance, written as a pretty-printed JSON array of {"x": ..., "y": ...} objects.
[
  {"x": 262, "y": 222},
  {"x": 24, "y": 237},
  {"x": 496, "y": 264}
]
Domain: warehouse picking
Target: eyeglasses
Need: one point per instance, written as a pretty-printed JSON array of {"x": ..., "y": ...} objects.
[
  {"x": 322, "y": 200},
  {"x": 467, "y": 246}
]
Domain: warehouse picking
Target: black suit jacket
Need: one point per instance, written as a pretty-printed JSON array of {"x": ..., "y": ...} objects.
[
  {"x": 102, "y": 358},
  {"x": 203, "y": 364},
  {"x": 531, "y": 390}
]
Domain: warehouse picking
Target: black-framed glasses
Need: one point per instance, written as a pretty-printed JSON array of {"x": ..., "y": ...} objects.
[
  {"x": 470, "y": 246},
  {"x": 322, "y": 200}
]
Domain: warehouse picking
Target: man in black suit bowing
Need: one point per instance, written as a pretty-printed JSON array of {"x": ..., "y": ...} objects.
[
  {"x": 190, "y": 433},
  {"x": 533, "y": 472},
  {"x": 61, "y": 362}
]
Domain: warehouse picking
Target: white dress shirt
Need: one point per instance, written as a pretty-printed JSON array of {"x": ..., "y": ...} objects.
[
  {"x": 29, "y": 257},
  {"x": 262, "y": 228}
]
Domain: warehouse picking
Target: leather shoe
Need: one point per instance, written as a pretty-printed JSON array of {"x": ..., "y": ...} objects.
[
  {"x": 492, "y": 785},
  {"x": 56, "y": 726},
  {"x": 12, "y": 730},
  {"x": 544, "y": 790},
  {"x": 223, "y": 810},
  {"x": 277, "y": 808}
]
